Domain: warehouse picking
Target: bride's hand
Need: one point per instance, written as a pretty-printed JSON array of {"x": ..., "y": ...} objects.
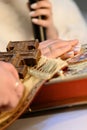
[
  {"x": 58, "y": 47},
  {"x": 44, "y": 8}
]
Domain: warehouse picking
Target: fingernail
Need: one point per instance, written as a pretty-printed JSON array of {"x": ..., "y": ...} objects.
[
  {"x": 32, "y": 13},
  {"x": 33, "y": 6},
  {"x": 70, "y": 53},
  {"x": 76, "y": 49},
  {"x": 78, "y": 45},
  {"x": 34, "y": 20}
]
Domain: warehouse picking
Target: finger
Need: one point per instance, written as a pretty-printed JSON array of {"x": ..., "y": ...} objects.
[
  {"x": 10, "y": 100},
  {"x": 40, "y": 12},
  {"x": 40, "y": 22},
  {"x": 13, "y": 70},
  {"x": 10, "y": 68},
  {"x": 4, "y": 102},
  {"x": 73, "y": 42},
  {"x": 77, "y": 49},
  {"x": 5, "y": 108},
  {"x": 14, "y": 100},
  {"x": 57, "y": 43},
  {"x": 45, "y": 44},
  {"x": 10, "y": 103},
  {"x": 35, "y": 14},
  {"x": 16, "y": 85},
  {"x": 19, "y": 88},
  {"x": 54, "y": 45},
  {"x": 68, "y": 55},
  {"x": 62, "y": 43},
  {"x": 58, "y": 52},
  {"x": 41, "y": 4},
  {"x": 15, "y": 96},
  {"x": 61, "y": 51}
]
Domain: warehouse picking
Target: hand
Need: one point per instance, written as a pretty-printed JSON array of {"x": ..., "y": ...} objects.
[
  {"x": 44, "y": 8},
  {"x": 11, "y": 89},
  {"x": 58, "y": 47},
  {"x": 74, "y": 51}
]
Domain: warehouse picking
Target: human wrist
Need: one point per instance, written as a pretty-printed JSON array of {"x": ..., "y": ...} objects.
[{"x": 52, "y": 32}]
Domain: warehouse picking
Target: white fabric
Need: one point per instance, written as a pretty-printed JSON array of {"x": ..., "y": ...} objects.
[
  {"x": 64, "y": 120},
  {"x": 69, "y": 20},
  {"x": 15, "y": 23}
]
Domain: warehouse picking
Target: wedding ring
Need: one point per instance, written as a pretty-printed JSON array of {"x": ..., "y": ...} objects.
[{"x": 16, "y": 84}]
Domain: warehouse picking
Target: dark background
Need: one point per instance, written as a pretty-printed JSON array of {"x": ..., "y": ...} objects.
[{"x": 82, "y": 4}]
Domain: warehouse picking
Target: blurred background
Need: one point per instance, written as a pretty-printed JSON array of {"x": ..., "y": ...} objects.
[{"x": 83, "y": 6}]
